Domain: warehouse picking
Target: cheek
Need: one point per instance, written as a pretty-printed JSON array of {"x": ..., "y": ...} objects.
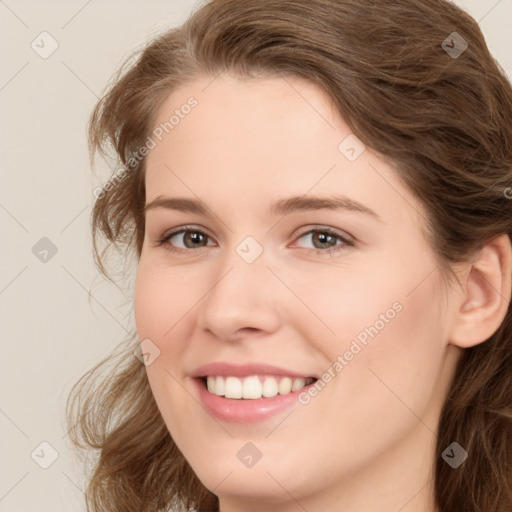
[
  {"x": 164, "y": 304},
  {"x": 162, "y": 300},
  {"x": 160, "y": 314},
  {"x": 386, "y": 352}
]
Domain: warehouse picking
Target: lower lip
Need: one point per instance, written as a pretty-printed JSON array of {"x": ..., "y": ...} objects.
[{"x": 245, "y": 410}]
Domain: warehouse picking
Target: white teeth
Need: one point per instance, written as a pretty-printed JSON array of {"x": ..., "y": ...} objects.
[
  {"x": 233, "y": 388},
  {"x": 285, "y": 386},
  {"x": 270, "y": 388},
  {"x": 298, "y": 384},
  {"x": 210, "y": 383},
  {"x": 252, "y": 387},
  {"x": 219, "y": 386}
]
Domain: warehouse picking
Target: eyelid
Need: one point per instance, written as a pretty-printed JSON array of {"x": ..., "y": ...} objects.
[
  {"x": 346, "y": 239},
  {"x": 186, "y": 227},
  {"x": 307, "y": 230},
  {"x": 164, "y": 238},
  {"x": 335, "y": 231}
]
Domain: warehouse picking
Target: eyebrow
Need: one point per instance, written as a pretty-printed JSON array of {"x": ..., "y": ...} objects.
[{"x": 278, "y": 207}]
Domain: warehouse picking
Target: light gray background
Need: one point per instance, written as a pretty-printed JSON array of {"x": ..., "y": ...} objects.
[{"x": 51, "y": 331}]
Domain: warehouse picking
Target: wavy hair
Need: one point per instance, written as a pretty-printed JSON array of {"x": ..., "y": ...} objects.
[{"x": 443, "y": 121}]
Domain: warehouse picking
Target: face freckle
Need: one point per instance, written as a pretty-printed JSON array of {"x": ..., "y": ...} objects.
[{"x": 363, "y": 322}]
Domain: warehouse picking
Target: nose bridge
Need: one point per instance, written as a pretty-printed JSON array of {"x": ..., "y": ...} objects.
[
  {"x": 240, "y": 295},
  {"x": 244, "y": 263},
  {"x": 243, "y": 274}
]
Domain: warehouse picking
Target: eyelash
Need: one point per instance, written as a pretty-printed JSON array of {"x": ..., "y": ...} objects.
[{"x": 327, "y": 252}]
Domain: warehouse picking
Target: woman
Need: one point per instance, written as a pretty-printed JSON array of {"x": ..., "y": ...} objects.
[{"x": 316, "y": 192}]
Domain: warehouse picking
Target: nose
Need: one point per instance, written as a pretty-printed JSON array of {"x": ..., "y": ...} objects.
[{"x": 243, "y": 300}]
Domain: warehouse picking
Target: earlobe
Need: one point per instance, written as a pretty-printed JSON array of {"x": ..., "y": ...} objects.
[{"x": 485, "y": 297}]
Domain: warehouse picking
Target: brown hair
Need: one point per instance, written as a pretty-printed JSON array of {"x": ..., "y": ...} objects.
[{"x": 444, "y": 122}]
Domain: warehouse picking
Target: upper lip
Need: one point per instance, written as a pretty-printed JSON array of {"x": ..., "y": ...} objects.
[{"x": 244, "y": 370}]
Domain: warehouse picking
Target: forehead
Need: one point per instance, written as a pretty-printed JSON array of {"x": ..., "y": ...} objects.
[
  {"x": 251, "y": 115},
  {"x": 250, "y": 141}
]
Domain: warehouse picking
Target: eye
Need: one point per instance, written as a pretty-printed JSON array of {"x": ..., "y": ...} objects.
[
  {"x": 191, "y": 239},
  {"x": 327, "y": 239}
]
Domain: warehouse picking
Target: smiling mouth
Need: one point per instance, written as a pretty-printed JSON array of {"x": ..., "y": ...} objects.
[{"x": 255, "y": 386}]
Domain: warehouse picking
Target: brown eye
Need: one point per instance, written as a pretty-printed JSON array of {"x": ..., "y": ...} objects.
[
  {"x": 193, "y": 239},
  {"x": 324, "y": 239},
  {"x": 190, "y": 239}
]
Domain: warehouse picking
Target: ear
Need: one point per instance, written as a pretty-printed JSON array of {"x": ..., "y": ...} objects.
[{"x": 483, "y": 302}]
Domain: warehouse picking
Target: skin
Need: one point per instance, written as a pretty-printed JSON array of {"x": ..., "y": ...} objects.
[{"x": 366, "y": 442}]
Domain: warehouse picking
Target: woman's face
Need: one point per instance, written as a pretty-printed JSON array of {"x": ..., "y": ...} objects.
[{"x": 273, "y": 292}]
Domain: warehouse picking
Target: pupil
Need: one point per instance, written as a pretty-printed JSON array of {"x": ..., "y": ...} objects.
[
  {"x": 194, "y": 236},
  {"x": 325, "y": 236}
]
